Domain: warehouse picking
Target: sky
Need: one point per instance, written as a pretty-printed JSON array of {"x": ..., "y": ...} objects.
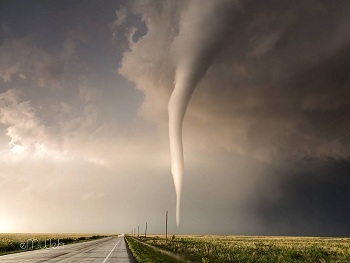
[{"x": 84, "y": 124}]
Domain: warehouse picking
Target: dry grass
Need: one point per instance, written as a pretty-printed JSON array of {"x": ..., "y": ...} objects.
[
  {"x": 255, "y": 248},
  {"x": 18, "y": 242}
]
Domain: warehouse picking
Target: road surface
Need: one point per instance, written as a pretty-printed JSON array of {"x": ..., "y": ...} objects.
[{"x": 106, "y": 250}]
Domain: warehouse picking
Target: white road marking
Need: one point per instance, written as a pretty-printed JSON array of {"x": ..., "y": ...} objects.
[{"x": 104, "y": 261}]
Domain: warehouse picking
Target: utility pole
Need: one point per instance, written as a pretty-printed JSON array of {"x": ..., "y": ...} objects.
[
  {"x": 138, "y": 231},
  {"x": 146, "y": 230},
  {"x": 166, "y": 226}
]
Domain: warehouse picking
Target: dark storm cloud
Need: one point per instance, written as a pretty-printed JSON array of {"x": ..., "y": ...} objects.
[
  {"x": 281, "y": 75},
  {"x": 277, "y": 92},
  {"x": 310, "y": 199},
  {"x": 285, "y": 72}
]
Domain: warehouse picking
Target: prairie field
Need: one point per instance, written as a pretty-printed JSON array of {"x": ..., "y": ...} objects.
[
  {"x": 190, "y": 248},
  {"x": 18, "y": 242}
]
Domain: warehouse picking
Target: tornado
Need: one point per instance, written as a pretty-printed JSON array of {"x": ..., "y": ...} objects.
[
  {"x": 184, "y": 87},
  {"x": 203, "y": 30}
]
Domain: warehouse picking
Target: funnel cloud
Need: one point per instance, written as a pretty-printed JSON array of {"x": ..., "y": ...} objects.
[{"x": 196, "y": 49}]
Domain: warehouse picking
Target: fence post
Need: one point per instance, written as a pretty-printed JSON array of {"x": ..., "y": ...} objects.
[
  {"x": 166, "y": 226},
  {"x": 146, "y": 230}
]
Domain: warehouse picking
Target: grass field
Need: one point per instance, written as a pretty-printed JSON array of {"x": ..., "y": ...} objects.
[
  {"x": 144, "y": 254},
  {"x": 252, "y": 249},
  {"x": 10, "y": 243}
]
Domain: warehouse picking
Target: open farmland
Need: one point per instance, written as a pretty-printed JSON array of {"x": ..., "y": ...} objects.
[
  {"x": 10, "y": 243},
  {"x": 252, "y": 248}
]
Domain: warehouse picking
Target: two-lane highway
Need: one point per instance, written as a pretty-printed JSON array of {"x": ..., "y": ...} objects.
[{"x": 106, "y": 250}]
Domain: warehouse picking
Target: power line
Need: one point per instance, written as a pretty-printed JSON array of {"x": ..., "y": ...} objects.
[
  {"x": 317, "y": 149},
  {"x": 331, "y": 123},
  {"x": 321, "y": 129}
]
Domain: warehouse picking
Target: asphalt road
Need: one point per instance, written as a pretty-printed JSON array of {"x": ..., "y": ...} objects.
[{"x": 106, "y": 250}]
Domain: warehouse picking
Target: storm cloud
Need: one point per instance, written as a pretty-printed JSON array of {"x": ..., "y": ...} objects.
[
  {"x": 84, "y": 91},
  {"x": 309, "y": 199},
  {"x": 278, "y": 90}
]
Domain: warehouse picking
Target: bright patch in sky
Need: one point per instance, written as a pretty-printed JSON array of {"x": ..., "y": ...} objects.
[
  {"x": 17, "y": 149},
  {"x": 5, "y": 225}
]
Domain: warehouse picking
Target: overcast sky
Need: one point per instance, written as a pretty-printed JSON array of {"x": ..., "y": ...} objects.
[{"x": 84, "y": 91}]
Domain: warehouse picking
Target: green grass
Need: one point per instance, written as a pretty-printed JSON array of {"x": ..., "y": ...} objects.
[
  {"x": 217, "y": 249},
  {"x": 145, "y": 254},
  {"x": 11, "y": 243}
]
